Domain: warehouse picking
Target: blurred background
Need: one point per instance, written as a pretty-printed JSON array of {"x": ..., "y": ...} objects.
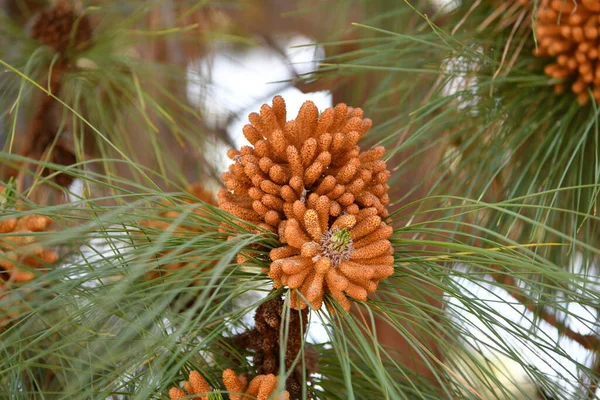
[{"x": 170, "y": 84}]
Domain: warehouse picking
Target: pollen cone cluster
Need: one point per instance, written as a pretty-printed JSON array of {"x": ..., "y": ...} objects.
[
  {"x": 59, "y": 26},
  {"x": 569, "y": 31},
  {"x": 308, "y": 180},
  {"x": 347, "y": 258},
  {"x": 167, "y": 218},
  {"x": 19, "y": 254},
  {"x": 7, "y": 313},
  {"x": 313, "y": 155},
  {"x": 261, "y": 387},
  {"x": 199, "y": 193}
]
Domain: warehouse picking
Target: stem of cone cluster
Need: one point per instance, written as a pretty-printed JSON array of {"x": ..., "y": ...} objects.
[
  {"x": 336, "y": 245},
  {"x": 340, "y": 240}
]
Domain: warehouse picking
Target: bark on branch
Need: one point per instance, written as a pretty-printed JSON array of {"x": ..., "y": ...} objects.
[{"x": 590, "y": 342}]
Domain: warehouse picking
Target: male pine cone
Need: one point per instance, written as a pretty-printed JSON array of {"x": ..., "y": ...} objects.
[
  {"x": 304, "y": 176},
  {"x": 165, "y": 222},
  {"x": 261, "y": 387},
  {"x": 570, "y": 32},
  {"x": 19, "y": 253}
]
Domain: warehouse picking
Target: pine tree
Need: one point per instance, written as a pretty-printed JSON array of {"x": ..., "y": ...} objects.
[{"x": 460, "y": 151}]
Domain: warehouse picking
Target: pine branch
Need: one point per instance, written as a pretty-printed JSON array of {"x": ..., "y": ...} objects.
[
  {"x": 595, "y": 379},
  {"x": 589, "y": 342},
  {"x": 593, "y": 387}
]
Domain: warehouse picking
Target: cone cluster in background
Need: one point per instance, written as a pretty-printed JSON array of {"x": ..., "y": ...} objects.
[
  {"x": 21, "y": 257},
  {"x": 260, "y": 387},
  {"x": 308, "y": 180},
  {"x": 168, "y": 218},
  {"x": 19, "y": 254},
  {"x": 570, "y": 32}
]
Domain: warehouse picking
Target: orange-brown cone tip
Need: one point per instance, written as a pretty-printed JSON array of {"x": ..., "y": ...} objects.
[
  {"x": 570, "y": 33},
  {"x": 262, "y": 387}
]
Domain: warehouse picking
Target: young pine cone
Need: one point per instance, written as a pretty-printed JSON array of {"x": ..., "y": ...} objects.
[
  {"x": 18, "y": 250},
  {"x": 570, "y": 32},
  {"x": 261, "y": 387},
  {"x": 311, "y": 155},
  {"x": 348, "y": 257},
  {"x": 54, "y": 27}
]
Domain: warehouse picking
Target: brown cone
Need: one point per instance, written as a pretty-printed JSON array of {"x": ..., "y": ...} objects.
[{"x": 54, "y": 27}]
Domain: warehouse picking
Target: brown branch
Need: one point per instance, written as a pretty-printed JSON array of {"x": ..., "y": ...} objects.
[
  {"x": 594, "y": 383},
  {"x": 41, "y": 142},
  {"x": 60, "y": 28},
  {"x": 594, "y": 379},
  {"x": 590, "y": 342},
  {"x": 42, "y": 130}
]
